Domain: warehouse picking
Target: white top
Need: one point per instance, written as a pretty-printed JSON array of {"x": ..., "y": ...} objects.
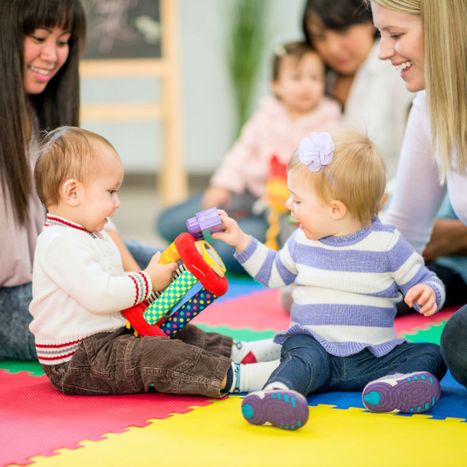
[
  {"x": 419, "y": 193},
  {"x": 79, "y": 288},
  {"x": 378, "y": 103},
  {"x": 18, "y": 241}
]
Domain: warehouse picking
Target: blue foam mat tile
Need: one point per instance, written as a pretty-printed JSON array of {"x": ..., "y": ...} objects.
[
  {"x": 452, "y": 404},
  {"x": 240, "y": 287}
]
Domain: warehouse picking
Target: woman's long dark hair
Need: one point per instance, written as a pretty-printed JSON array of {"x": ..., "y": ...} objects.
[
  {"x": 336, "y": 14},
  {"x": 57, "y": 105}
]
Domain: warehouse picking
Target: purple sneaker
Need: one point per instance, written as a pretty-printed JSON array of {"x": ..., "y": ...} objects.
[
  {"x": 282, "y": 408},
  {"x": 406, "y": 393}
]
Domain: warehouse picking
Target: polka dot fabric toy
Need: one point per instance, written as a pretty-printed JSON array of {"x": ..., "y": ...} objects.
[{"x": 199, "y": 280}]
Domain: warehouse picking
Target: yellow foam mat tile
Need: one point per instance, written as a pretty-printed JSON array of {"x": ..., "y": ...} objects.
[{"x": 217, "y": 435}]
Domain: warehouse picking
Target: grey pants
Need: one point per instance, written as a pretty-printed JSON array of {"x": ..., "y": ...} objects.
[{"x": 196, "y": 362}]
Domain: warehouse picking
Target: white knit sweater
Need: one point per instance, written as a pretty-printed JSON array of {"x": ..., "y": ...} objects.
[{"x": 79, "y": 288}]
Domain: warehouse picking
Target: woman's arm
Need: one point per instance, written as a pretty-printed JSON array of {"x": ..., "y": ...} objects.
[
  {"x": 449, "y": 237},
  {"x": 129, "y": 263},
  {"x": 418, "y": 193}
]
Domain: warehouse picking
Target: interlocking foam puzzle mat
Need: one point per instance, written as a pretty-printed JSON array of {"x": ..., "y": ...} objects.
[{"x": 41, "y": 427}]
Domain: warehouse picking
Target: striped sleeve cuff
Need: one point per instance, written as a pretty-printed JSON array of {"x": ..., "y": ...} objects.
[
  {"x": 142, "y": 284},
  {"x": 440, "y": 292}
]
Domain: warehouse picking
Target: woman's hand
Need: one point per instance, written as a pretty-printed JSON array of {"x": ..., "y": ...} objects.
[
  {"x": 233, "y": 235},
  {"x": 216, "y": 197},
  {"x": 449, "y": 237}
]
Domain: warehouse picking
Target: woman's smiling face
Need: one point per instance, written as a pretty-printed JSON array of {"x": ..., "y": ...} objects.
[
  {"x": 402, "y": 44},
  {"x": 45, "y": 52}
]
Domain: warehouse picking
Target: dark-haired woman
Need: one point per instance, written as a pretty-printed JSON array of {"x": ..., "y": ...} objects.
[
  {"x": 370, "y": 92},
  {"x": 40, "y": 44}
]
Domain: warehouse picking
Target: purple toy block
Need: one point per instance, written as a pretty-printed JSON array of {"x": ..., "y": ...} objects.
[{"x": 204, "y": 220}]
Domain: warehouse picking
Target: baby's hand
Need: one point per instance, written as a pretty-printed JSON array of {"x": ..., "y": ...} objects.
[
  {"x": 233, "y": 235},
  {"x": 161, "y": 274},
  {"x": 424, "y": 296}
]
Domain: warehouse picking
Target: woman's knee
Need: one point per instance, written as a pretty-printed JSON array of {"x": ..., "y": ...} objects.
[
  {"x": 17, "y": 340},
  {"x": 172, "y": 221},
  {"x": 436, "y": 363},
  {"x": 454, "y": 345}
]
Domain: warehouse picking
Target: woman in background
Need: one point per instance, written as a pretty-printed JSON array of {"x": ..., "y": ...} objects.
[{"x": 370, "y": 92}]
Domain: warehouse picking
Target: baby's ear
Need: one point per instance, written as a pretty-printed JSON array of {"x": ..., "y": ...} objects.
[
  {"x": 70, "y": 192},
  {"x": 338, "y": 209}
]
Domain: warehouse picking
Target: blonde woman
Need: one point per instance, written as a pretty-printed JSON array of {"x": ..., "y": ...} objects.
[{"x": 425, "y": 41}]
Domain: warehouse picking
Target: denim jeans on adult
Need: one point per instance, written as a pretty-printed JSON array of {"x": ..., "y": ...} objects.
[
  {"x": 306, "y": 367},
  {"x": 195, "y": 362},
  {"x": 454, "y": 345},
  {"x": 16, "y": 341}
]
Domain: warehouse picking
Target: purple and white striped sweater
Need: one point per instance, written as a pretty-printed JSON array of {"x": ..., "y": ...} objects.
[{"x": 346, "y": 287}]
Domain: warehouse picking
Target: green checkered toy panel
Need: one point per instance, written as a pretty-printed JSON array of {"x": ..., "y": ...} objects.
[{"x": 170, "y": 297}]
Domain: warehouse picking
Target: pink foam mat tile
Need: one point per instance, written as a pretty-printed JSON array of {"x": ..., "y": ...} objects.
[
  {"x": 36, "y": 419},
  {"x": 262, "y": 310},
  {"x": 258, "y": 311},
  {"x": 414, "y": 322}
]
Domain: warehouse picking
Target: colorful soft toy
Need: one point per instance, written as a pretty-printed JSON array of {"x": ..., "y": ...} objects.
[
  {"x": 276, "y": 197},
  {"x": 199, "y": 280}
]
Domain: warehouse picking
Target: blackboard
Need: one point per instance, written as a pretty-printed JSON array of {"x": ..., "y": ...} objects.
[{"x": 123, "y": 29}]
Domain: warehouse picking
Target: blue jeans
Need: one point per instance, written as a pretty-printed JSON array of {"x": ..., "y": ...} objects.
[
  {"x": 16, "y": 342},
  {"x": 454, "y": 345},
  {"x": 172, "y": 222},
  {"x": 307, "y": 368}
]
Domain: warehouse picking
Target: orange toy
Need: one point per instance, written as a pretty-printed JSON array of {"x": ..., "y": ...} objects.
[{"x": 276, "y": 197}]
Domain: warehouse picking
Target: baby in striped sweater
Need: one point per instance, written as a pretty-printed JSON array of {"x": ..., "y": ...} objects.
[{"x": 349, "y": 270}]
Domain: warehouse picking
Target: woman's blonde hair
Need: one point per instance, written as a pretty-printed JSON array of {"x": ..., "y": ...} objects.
[
  {"x": 445, "y": 44},
  {"x": 356, "y": 175},
  {"x": 66, "y": 152}
]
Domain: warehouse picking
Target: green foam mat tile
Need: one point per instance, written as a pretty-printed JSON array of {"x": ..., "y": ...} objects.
[
  {"x": 239, "y": 334},
  {"x": 16, "y": 366},
  {"x": 431, "y": 335}
]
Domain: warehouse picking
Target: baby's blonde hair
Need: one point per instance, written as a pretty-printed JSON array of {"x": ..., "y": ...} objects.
[
  {"x": 356, "y": 175},
  {"x": 66, "y": 152}
]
